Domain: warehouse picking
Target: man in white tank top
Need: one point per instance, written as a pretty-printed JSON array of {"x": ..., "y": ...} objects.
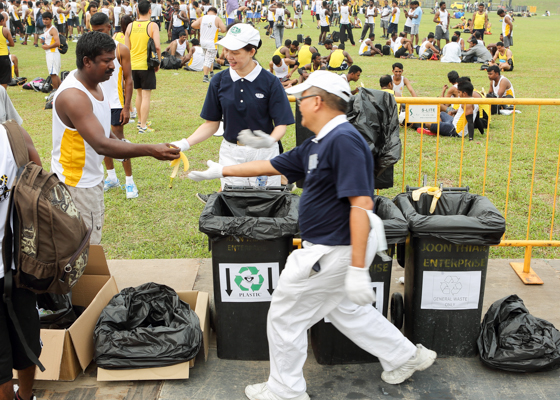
[
  {"x": 118, "y": 89},
  {"x": 281, "y": 68},
  {"x": 81, "y": 130},
  {"x": 209, "y": 26},
  {"x": 345, "y": 27},
  {"x": 50, "y": 41},
  {"x": 194, "y": 60},
  {"x": 441, "y": 18},
  {"x": 179, "y": 46},
  {"x": 117, "y": 13},
  {"x": 179, "y": 21},
  {"x": 399, "y": 81}
]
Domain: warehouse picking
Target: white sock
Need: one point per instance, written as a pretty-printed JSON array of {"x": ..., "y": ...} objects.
[
  {"x": 129, "y": 180},
  {"x": 112, "y": 175}
]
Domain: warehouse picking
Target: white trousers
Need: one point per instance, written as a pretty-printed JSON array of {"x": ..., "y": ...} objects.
[
  {"x": 303, "y": 297},
  {"x": 232, "y": 154}
]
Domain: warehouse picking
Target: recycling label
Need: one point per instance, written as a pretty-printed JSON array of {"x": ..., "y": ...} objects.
[
  {"x": 451, "y": 290},
  {"x": 253, "y": 282}
]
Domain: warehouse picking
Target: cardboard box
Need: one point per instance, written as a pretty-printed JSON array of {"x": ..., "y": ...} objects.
[
  {"x": 67, "y": 352},
  {"x": 199, "y": 302}
]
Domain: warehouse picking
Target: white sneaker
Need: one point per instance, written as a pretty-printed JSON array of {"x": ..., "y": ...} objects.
[
  {"x": 131, "y": 191},
  {"x": 422, "y": 360},
  {"x": 260, "y": 391}
]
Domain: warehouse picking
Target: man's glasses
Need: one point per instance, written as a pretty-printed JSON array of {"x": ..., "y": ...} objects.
[{"x": 298, "y": 101}]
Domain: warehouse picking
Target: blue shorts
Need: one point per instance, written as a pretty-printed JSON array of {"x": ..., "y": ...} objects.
[
  {"x": 116, "y": 116},
  {"x": 249, "y": 15},
  {"x": 257, "y": 15}
]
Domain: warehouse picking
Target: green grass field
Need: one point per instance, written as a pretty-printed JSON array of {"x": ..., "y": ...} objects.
[{"x": 163, "y": 223}]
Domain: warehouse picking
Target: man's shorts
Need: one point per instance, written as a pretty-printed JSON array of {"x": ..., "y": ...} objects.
[
  {"x": 176, "y": 31},
  {"x": 18, "y": 25},
  {"x": 407, "y": 29},
  {"x": 30, "y": 30},
  {"x": 271, "y": 24},
  {"x": 61, "y": 28},
  {"x": 257, "y": 15},
  {"x": 116, "y": 116},
  {"x": 415, "y": 29},
  {"x": 117, "y": 29},
  {"x": 53, "y": 63},
  {"x": 318, "y": 17},
  {"x": 343, "y": 67},
  {"x": 366, "y": 53},
  {"x": 74, "y": 21},
  {"x": 91, "y": 205},
  {"x": 5, "y": 70},
  {"x": 144, "y": 79},
  {"x": 298, "y": 15},
  {"x": 508, "y": 41},
  {"x": 384, "y": 24},
  {"x": 83, "y": 21},
  {"x": 481, "y": 31},
  {"x": 209, "y": 57},
  {"x": 250, "y": 15},
  {"x": 393, "y": 28},
  {"x": 39, "y": 31},
  {"x": 400, "y": 52},
  {"x": 12, "y": 354},
  {"x": 325, "y": 29},
  {"x": 440, "y": 34}
]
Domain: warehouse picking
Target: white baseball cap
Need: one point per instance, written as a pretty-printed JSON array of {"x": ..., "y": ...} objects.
[
  {"x": 239, "y": 36},
  {"x": 328, "y": 81}
]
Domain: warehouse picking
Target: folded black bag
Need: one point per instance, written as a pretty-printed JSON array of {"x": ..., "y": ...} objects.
[
  {"x": 253, "y": 214},
  {"x": 396, "y": 229},
  {"x": 459, "y": 217},
  {"x": 144, "y": 327},
  {"x": 513, "y": 340}
]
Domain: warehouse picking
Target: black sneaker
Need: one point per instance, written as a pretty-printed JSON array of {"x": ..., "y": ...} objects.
[{"x": 202, "y": 197}]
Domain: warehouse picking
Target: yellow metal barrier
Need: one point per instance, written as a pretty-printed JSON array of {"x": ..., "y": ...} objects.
[{"x": 523, "y": 270}]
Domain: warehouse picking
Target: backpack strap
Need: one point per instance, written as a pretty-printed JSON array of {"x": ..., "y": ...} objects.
[
  {"x": 17, "y": 142},
  {"x": 9, "y": 253}
]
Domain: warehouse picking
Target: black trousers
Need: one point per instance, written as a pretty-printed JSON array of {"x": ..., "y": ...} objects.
[
  {"x": 346, "y": 32},
  {"x": 367, "y": 27}
]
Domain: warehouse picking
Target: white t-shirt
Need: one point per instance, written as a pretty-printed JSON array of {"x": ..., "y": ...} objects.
[
  {"x": 386, "y": 13},
  {"x": 8, "y": 171},
  {"x": 323, "y": 16},
  {"x": 451, "y": 53},
  {"x": 335, "y": 6}
]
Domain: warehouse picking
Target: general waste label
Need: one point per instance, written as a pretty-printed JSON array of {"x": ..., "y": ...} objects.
[
  {"x": 248, "y": 282},
  {"x": 451, "y": 290},
  {"x": 422, "y": 113}
]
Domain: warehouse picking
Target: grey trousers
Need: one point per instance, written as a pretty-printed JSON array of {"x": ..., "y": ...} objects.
[{"x": 278, "y": 34}]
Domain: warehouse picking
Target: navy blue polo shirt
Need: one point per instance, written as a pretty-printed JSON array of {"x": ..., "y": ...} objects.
[
  {"x": 257, "y": 102},
  {"x": 338, "y": 166}
]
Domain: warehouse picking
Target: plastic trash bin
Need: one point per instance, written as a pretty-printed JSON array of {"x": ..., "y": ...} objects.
[
  {"x": 446, "y": 258},
  {"x": 251, "y": 233},
  {"x": 330, "y": 346}
]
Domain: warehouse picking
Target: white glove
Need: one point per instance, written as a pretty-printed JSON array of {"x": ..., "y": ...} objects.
[
  {"x": 358, "y": 286},
  {"x": 182, "y": 144},
  {"x": 255, "y": 139},
  {"x": 214, "y": 171}
]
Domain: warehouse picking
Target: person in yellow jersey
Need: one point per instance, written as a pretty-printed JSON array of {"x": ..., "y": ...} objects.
[
  {"x": 59, "y": 15},
  {"x": 285, "y": 51},
  {"x": 136, "y": 38},
  {"x": 73, "y": 19},
  {"x": 507, "y": 28},
  {"x": 118, "y": 89},
  {"x": 503, "y": 58},
  {"x": 339, "y": 60},
  {"x": 194, "y": 59},
  {"x": 29, "y": 19},
  {"x": 316, "y": 65},
  {"x": 368, "y": 49},
  {"x": 5, "y": 63},
  {"x": 500, "y": 86},
  {"x": 81, "y": 130},
  {"x": 14, "y": 11},
  {"x": 50, "y": 41},
  {"x": 92, "y": 9},
  {"x": 306, "y": 52},
  {"x": 84, "y": 5},
  {"x": 125, "y": 21},
  {"x": 209, "y": 25},
  {"x": 480, "y": 21}
]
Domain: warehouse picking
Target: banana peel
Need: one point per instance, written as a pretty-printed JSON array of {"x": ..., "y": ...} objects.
[
  {"x": 175, "y": 164},
  {"x": 432, "y": 191}
]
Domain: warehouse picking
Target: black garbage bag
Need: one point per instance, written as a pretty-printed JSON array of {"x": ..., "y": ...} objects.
[
  {"x": 254, "y": 214},
  {"x": 513, "y": 340},
  {"x": 147, "y": 326},
  {"x": 459, "y": 217},
  {"x": 374, "y": 114},
  {"x": 56, "y": 311},
  {"x": 396, "y": 228}
]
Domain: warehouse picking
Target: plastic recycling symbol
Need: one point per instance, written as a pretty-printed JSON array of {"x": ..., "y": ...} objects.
[
  {"x": 451, "y": 285},
  {"x": 249, "y": 278}
]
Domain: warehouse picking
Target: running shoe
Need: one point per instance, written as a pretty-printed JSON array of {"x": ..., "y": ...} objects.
[
  {"x": 108, "y": 184},
  {"x": 133, "y": 114},
  {"x": 202, "y": 197},
  {"x": 147, "y": 129},
  {"x": 260, "y": 391},
  {"x": 425, "y": 132},
  {"x": 148, "y": 124},
  {"x": 422, "y": 360},
  {"x": 16, "y": 394},
  {"x": 131, "y": 191},
  {"x": 205, "y": 79}
]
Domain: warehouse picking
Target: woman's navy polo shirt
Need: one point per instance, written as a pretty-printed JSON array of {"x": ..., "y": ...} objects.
[
  {"x": 337, "y": 166},
  {"x": 257, "y": 102}
]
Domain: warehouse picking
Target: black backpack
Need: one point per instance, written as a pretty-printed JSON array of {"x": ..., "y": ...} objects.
[
  {"x": 336, "y": 36},
  {"x": 63, "y": 48},
  {"x": 378, "y": 47},
  {"x": 300, "y": 38},
  {"x": 170, "y": 62},
  {"x": 386, "y": 50},
  {"x": 63, "y": 75},
  {"x": 47, "y": 85}
]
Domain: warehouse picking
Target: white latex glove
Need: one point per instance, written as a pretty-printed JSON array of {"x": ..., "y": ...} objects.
[
  {"x": 358, "y": 286},
  {"x": 255, "y": 139},
  {"x": 214, "y": 171},
  {"x": 182, "y": 144}
]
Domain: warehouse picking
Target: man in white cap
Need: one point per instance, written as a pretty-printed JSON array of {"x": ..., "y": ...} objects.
[{"x": 329, "y": 277}]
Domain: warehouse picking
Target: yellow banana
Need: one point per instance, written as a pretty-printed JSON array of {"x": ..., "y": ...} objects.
[{"x": 175, "y": 164}]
